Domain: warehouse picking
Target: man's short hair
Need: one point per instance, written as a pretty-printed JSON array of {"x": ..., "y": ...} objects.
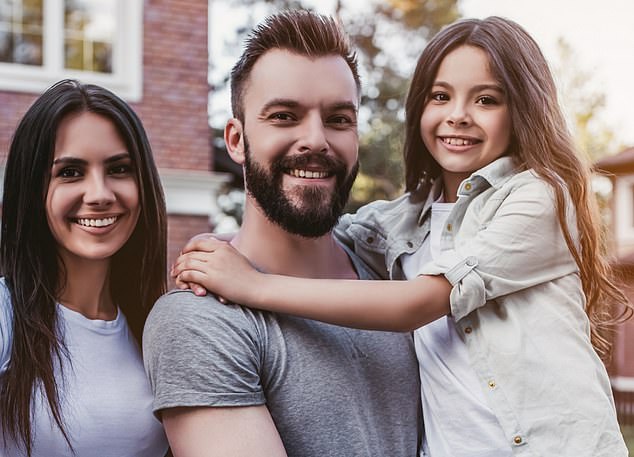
[{"x": 299, "y": 31}]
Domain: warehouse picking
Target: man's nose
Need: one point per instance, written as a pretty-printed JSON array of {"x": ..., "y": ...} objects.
[{"x": 313, "y": 136}]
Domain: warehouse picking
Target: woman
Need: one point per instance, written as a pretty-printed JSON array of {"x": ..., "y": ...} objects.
[{"x": 83, "y": 258}]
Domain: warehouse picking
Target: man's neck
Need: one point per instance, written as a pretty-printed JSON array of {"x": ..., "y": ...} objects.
[{"x": 273, "y": 250}]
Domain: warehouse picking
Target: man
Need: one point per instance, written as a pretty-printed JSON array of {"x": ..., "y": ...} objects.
[{"x": 231, "y": 381}]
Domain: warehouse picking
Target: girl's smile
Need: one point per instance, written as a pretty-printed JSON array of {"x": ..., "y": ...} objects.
[{"x": 466, "y": 123}]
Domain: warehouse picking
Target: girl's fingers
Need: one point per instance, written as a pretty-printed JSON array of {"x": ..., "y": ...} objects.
[
  {"x": 205, "y": 244},
  {"x": 198, "y": 290}
]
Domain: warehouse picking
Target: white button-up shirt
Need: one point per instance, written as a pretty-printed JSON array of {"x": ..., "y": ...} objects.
[{"x": 517, "y": 301}]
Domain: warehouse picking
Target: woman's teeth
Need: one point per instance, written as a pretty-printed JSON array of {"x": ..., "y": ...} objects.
[{"x": 97, "y": 222}]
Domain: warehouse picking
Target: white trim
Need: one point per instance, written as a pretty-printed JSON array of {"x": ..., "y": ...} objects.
[
  {"x": 127, "y": 77},
  {"x": 192, "y": 192},
  {"x": 622, "y": 383}
]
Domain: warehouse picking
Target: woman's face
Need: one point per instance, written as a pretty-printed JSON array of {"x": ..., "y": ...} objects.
[{"x": 92, "y": 202}]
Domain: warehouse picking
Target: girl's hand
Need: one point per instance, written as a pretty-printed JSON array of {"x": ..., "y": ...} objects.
[{"x": 215, "y": 265}]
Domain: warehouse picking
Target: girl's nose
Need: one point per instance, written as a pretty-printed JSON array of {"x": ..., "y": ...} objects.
[{"x": 459, "y": 117}]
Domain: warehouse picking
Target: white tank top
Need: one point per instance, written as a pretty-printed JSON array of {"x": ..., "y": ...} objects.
[{"x": 458, "y": 421}]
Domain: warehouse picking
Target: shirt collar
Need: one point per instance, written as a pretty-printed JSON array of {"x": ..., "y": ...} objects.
[{"x": 496, "y": 174}]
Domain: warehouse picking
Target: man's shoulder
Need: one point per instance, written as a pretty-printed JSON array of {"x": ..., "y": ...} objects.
[{"x": 183, "y": 312}]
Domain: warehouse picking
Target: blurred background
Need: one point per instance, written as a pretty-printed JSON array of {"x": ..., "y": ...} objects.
[{"x": 170, "y": 59}]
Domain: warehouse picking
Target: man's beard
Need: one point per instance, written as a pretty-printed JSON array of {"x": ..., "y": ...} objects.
[{"x": 317, "y": 209}]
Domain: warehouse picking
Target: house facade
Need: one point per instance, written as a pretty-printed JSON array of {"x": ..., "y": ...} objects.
[
  {"x": 620, "y": 170},
  {"x": 152, "y": 53}
]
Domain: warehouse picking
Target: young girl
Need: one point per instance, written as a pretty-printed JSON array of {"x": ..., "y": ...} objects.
[
  {"x": 83, "y": 259},
  {"x": 498, "y": 236}
]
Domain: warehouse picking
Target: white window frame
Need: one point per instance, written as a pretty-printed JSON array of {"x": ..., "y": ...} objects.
[{"x": 126, "y": 79}]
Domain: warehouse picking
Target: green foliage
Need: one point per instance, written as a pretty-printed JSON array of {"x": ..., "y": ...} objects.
[{"x": 584, "y": 106}]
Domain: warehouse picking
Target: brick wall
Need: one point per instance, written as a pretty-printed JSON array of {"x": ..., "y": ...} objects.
[
  {"x": 12, "y": 106},
  {"x": 174, "y": 104},
  {"x": 173, "y": 107},
  {"x": 180, "y": 229}
]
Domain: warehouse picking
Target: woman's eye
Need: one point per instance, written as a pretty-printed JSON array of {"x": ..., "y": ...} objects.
[
  {"x": 121, "y": 170},
  {"x": 68, "y": 172}
]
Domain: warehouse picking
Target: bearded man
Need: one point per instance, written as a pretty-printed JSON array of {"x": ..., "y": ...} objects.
[{"x": 231, "y": 381}]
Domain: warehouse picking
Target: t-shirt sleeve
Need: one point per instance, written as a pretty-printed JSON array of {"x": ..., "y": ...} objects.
[
  {"x": 521, "y": 246},
  {"x": 198, "y": 352},
  {"x": 6, "y": 326}
]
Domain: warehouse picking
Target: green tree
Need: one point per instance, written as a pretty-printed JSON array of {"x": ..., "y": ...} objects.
[
  {"x": 389, "y": 36},
  {"x": 584, "y": 105}
]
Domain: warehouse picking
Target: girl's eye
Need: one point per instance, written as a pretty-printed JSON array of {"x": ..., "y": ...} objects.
[
  {"x": 68, "y": 172},
  {"x": 439, "y": 97},
  {"x": 486, "y": 100}
]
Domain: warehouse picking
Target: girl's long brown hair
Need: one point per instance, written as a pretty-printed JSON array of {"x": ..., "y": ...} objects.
[
  {"x": 31, "y": 267},
  {"x": 540, "y": 141}
]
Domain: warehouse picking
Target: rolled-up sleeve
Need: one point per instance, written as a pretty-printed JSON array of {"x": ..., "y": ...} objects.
[{"x": 520, "y": 245}]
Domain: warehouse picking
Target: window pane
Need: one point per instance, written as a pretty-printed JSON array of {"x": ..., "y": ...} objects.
[
  {"x": 89, "y": 33},
  {"x": 21, "y": 31}
]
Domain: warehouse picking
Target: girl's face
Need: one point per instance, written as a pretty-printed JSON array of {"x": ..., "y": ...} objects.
[
  {"x": 466, "y": 122},
  {"x": 92, "y": 203}
]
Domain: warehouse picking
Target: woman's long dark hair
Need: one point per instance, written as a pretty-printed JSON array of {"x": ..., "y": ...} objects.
[
  {"x": 29, "y": 260},
  {"x": 540, "y": 141}
]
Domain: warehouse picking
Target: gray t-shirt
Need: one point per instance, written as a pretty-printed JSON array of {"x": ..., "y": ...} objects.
[{"x": 331, "y": 391}]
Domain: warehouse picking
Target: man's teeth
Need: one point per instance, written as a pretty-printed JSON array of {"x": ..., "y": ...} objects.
[
  {"x": 308, "y": 174},
  {"x": 458, "y": 141},
  {"x": 97, "y": 222}
]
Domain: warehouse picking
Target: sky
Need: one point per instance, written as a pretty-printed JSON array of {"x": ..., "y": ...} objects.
[{"x": 600, "y": 34}]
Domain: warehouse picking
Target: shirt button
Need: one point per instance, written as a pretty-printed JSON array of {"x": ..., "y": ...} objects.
[
  {"x": 492, "y": 384},
  {"x": 517, "y": 439},
  {"x": 467, "y": 330},
  {"x": 370, "y": 239},
  {"x": 449, "y": 227},
  {"x": 471, "y": 261},
  {"x": 410, "y": 244},
  {"x": 467, "y": 186}
]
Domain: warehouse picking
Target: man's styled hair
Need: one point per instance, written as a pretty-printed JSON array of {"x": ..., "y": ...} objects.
[{"x": 299, "y": 31}]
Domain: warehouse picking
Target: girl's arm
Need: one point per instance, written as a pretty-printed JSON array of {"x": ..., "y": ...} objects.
[{"x": 375, "y": 305}]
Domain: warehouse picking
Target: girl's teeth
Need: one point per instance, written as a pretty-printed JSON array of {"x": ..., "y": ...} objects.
[{"x": 458, "y": 141}]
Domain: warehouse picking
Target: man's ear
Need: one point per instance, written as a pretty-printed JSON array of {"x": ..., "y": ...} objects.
[{"x": 234, "y": 139}]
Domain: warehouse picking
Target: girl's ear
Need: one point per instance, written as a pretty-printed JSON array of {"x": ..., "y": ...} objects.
[{"x": 234, "y": 139}]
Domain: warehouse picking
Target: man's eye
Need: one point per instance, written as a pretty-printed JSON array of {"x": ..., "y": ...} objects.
[
  {"x": 340, "y": 119},
  {"x": 281, "y": 117}
]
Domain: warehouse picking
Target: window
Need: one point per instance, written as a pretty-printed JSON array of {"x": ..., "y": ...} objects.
[{"x": 98, "y": 41}]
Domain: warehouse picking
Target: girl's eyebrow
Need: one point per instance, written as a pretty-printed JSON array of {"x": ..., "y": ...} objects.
[{"x": 477, "y": 88}]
